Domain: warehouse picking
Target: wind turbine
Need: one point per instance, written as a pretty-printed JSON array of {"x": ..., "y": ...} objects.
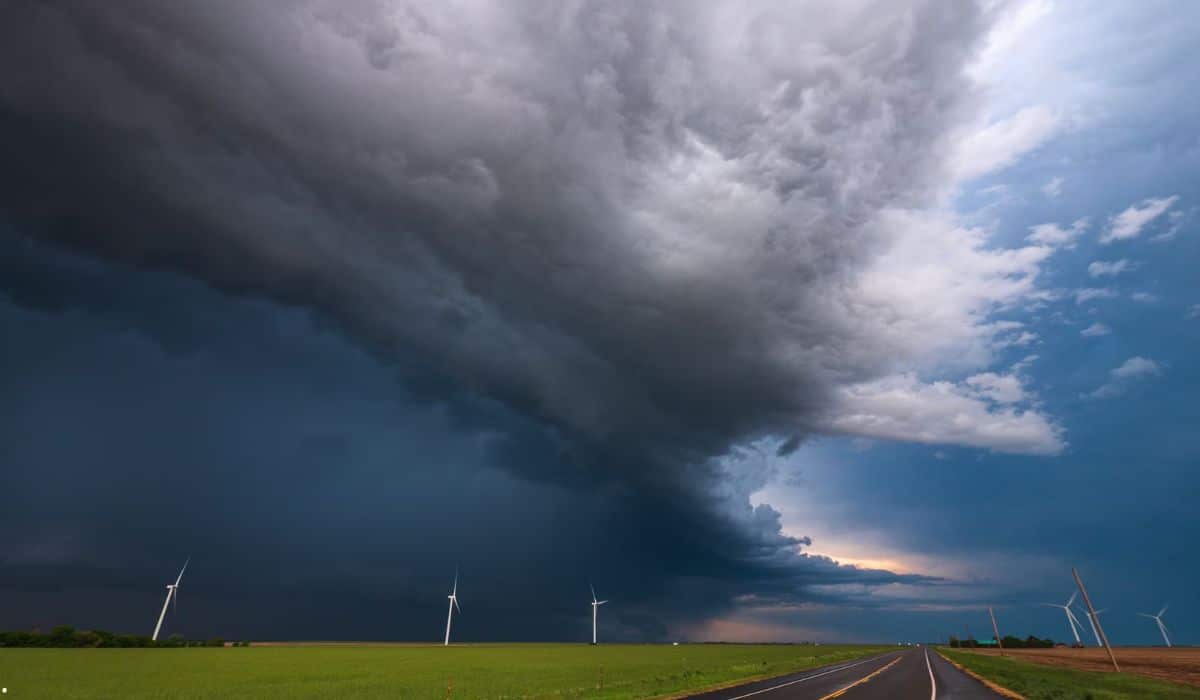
[
  {"x": 453, "y": 604},
  {"x": 595, "y": 606},
  {"x": 172, "y": 594},
  {"x": 1095, "y": 632},
  {"x": 1158, "y": 621},
  {"x": 1071, "y": 619}
]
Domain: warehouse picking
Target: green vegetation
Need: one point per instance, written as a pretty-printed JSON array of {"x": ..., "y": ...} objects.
[
  {"x": 1041, "y": 682},
  {"x": 472, "y": 671},
  {"x": 1010, "y": 642},
  {"x": 66, "y": 636}
]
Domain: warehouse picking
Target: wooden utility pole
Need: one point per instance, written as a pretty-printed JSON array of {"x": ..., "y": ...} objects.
[
  {"x": 1095, "y": 619},
  {"x": 996, "y": 630}
]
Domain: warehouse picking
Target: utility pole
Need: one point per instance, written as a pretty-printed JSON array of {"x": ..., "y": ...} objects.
[
  {"x": 1095, "y": 619},
  {"x": 996, "y": 630}
]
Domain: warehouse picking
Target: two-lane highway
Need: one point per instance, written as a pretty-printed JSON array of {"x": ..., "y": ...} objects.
[{"x": 914, "y": 672}]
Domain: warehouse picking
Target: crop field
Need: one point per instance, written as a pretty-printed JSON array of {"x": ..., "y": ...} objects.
[
  {"x": 1178, "y": 664},
  {"x": 408, "y": 671},
  {"x": 1058, "y": 681}
]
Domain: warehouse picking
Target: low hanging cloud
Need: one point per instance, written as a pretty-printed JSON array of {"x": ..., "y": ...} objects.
[
  {"x": 656, "y": 233},
  {"x": 1130, "y": 223},
  {"x": 1095, "y": 330},
  {"x": 1053, "y": 188}
]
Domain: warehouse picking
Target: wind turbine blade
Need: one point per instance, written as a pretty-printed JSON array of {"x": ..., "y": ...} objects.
[
  {"x": 593, "y": 592},
  {"x": 1072, "y": 600},
  {"x": 1148, "y": 615},
  {"x": 1164, "y": 609},
  {"x": 455, "y": 599},
  {"x": 455, "y": 590},
  {"x": 180, "y": 577},
  {"x": 601, "y": 602}
]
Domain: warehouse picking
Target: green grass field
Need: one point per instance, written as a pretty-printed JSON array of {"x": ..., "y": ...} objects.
[
  {"x": 472, "y": 671},
  {"x": 1040, "y": 682}
]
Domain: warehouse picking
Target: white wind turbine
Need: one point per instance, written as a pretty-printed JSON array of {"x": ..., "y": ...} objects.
[
  {"x": 1162, "y": 628},
  {"x": 1095, "y": 632},
  {"x": 453, "y": 604},
  {"x": 172, "y": 594},
  {"x": 1071, "y": 619},
  {"x": 595, "y": 606}
]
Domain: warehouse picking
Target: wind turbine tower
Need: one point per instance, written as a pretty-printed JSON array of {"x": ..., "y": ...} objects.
[
  {"x": 1071, "y": 619},
  {"x": 172, "y": 594},
  {"x": 453, "y": 604},
  {"x": 1162, "y": 628},
  {"x": 1095, "y": 632},
  {"x": 595, "y": 606}
]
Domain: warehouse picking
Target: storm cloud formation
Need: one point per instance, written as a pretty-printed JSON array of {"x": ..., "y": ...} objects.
[{"x": 614, "y": 244}]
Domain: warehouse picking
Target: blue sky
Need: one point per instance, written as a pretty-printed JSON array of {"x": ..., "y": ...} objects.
[{"x": 771, "y": 327}]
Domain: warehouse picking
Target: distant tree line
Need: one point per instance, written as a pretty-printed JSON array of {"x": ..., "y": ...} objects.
[
  {"x": 66, "y": 636},
  {"x": 1010, "y": 642}
]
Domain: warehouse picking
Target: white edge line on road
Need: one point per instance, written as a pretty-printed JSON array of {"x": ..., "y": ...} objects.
[
  {"x": 932, "y": 683},
  {"x": 807, "y": 678}
]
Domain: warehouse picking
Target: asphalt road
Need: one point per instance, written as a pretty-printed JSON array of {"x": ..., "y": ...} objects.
[{"x": 912, "y": 672}]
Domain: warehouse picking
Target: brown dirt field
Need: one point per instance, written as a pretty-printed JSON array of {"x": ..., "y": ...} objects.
[{"x": 1179, "y": 664}]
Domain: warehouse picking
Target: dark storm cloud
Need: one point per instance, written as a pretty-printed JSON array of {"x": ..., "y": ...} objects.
[
  {"x": 608, "y": 241},
  {"x": 302, "y": 475}
]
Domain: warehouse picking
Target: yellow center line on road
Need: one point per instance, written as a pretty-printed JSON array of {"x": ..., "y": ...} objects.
[
  {"x": 809, "y": 678},
  {"x": 862, "y": 680}
]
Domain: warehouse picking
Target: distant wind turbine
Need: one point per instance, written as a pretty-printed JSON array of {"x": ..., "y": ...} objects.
[
  {"x": 1071, "y": 619},
  {"x": 1095, "y": 632},
  {"x": 1158, "y": 621},
  {"x": 453, "y": 604},
  {"x": 595, "y": 606},
  {"x": 172, "y": 594}
]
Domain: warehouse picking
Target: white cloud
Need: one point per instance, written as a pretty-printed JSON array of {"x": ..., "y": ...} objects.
[
  {"x": 1144, "y": 297},
  {"x": 1136, "y": 367},
  {"x": 1175, "y": 221},
  {"x": 1129, "y": 223},
  {"x": 1089, "y": 293},
  {"x": 1053, "y": 188},
  {"x": 1001, "y": 388},
  {"x": 1100, "y": 268},
  {"x": 1055, "y": 235},
  {"x": 1024, "y": 364},
  {"x": 1130, "y": 371},
  {"x": 929, "y": 297},
  {"x": 1096, "y": 329},
  {"x": 1194, "y": 312},
  {"x": 1022, "y": 339},
  {"x": 1001, "y": 143},
  {"x": 903, "y": 408},
  {"x": 1015, "y": 22}
]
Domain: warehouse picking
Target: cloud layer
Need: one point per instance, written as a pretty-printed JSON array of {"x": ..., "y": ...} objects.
[{"x": 649, "y": 235}]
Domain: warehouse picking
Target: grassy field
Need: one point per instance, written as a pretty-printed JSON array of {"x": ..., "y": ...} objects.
[
  {"x": 1041, "y": 682},
  {"x": 472, "y": 671}
]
